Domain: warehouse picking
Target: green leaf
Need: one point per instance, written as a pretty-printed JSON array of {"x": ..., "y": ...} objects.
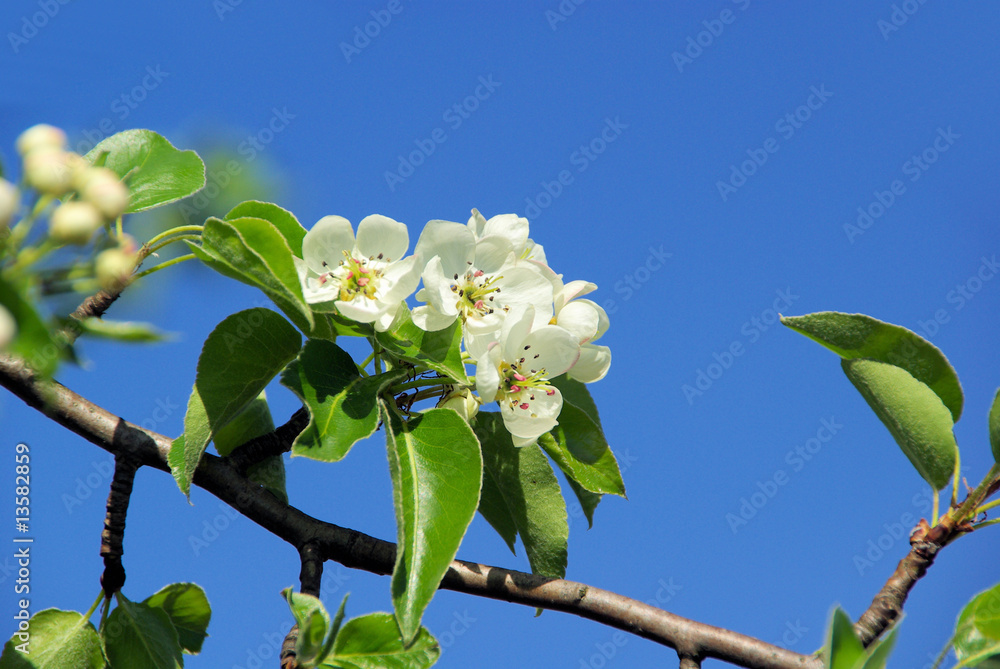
[
  {"x": 588, "y": 500},
  {"x": 977, "y": 636},
  {"x": 843, "y": 648},
  {"x": 915, "y": 416},
  {"x": 283, "y": 220},
  {"x": 858, "y": 336},
  {"x": 343, "y": 407},
  {"x": 995, "y": 426},
  {"x": 187, "y": 607},
  {"x": 156, "y": 173},
  {"x": 436, "y": 470},
  {"x": 252, "y": 422},
  {"x": 315, "y": 638},
  {"x": 33, "y": 342},
  {"x": 879, "y": 650},
  {"x": 440, "y": 350},
  {"x": 373, "y": 642},
  {"x": 254, "y": 252},
  {"x": 522, "y": 490},
  {"x": 239, "y": 358},
  {"x": 56, "y": 639},
  {"x": 138, "y": 635},
  {"x": 126, "y": 331}
]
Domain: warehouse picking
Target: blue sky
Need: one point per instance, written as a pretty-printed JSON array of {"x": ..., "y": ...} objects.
[{"x": 706, "y": 164}]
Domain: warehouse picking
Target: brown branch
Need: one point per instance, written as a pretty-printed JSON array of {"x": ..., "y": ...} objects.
[
  {"x": 267, "y": 445},
  {"x": 113, "y": 536},
  {"x": 360, "y": 551}
]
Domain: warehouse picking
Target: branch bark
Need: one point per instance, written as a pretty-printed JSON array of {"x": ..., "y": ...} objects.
[{"x": 359, "y": 551}]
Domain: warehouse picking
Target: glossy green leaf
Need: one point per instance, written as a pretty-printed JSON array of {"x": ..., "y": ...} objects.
[
  {"x": 521, "y": 490},
  {"x": 56, "y": 639},
  {"x": 283, "y": 220},
  {"x": 858, "y": 336},
  {"x": 125, "y": 331},
  {"x": 373, "y": 642},
  {"x": 33, "y": 342},
  {"x": 342, "y": 404},
  {"x": 156, "y": 173},
  {"x": 254, "y": 421},
  {"x": 977, "y": 631},
  {"x": 316, "y": 630},
  {"x": 843, "y": 648},
  {"x": 436, "y": 470},
  {"x": 588, "y": 500},
  {"x": 994, "y": 421},
  {"x": 254, "y": 252},
  {"x": 440, "y": 350},
  {"x": 138, "y": 635},
  {"x": 187, "y": 607},
  {"x": 239, "y": 358},
  {"x": 917, "y": 419},
  {"x": 880, "y": 649}
]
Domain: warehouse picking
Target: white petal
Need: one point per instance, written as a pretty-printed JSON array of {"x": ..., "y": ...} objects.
[
  {"x": 556, "y": 348},
  {"x": 312, "y": 290},
  {"x": 384, "y": 321},
  {"x": 480, "y": 333},
  {"x": 429, "y": 319},
  {"x": 380, "y": 234},
  {"x": 476, "y": 223},
  {"x": 592, "y": 365},
  {"x": 510, "y": 226},
  {"x": 573, "y": 290},
  {"x": 361, "y": 309},
  {"x": 492, "y": 253},
  {"x": 581, "y": 319},
  {"x": 524, "y": 285},
  {"x": 536, "y": 252},
  {"x": 603, "y": 321},
  {"x": 537, "y": 419},
  {"x": 488, "y": 374},
  {"x": 402, "y": 278},
  {"x": 437, "y": 289},
  {"x": 516, "y": 326},
  {"x": 326, "y": 243},
  {"x": 452, "y": 242},
  {"x": 8, "y": 327}
]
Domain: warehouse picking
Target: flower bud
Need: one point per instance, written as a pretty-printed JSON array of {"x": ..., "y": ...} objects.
[
  {"x": 10, "y": 200},
  {"x": 50, "y": 170},
  {"x": 74, "y": 222},
  {"x": 114, "y": 267},
  {"x": 103, "y": 189},
  {"x": 40, "y": 136},
  {"x": 8, "y": 327},
  {"x": 462, "y": 401}
]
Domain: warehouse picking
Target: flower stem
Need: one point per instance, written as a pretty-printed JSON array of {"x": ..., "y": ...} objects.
[
  {"x": 181, "y": 229},
  {"x": 423, "y": 383},
  {"x": 178, "y": 238},
  {"x": 166, "y": 263}
]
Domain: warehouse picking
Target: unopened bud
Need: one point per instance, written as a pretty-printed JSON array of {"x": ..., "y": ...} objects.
[
  {"x": 8, "y": 327},
  {"x": 40, "y": 136},
  {"x": 463, "y": 402},
  {"x": 50, "y": 170},
  {"x": 103, "y": 189},
  {"x": 10, "y": 200},
  {"x": 74, "y": 222},
  {"x": 114, "y": 267}
]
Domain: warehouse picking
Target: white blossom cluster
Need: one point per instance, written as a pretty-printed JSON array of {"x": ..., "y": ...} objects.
[{"x": 521, "y": 325}]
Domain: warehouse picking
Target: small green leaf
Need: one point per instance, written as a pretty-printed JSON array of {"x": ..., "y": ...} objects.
[
  {"x": 145, "y": 637},
  {"x": 343, "y": 407},
  {"x": 373, "y": 642},
  {"x": 440, "y": 350},
  {"x": 588, "y": 500},
  {"x": 239, "y": 358},
  {"x": 254, "y": 421},
  {"x": 314, "y": 640},
  {"x": 995, "y": 426},
  {"x": 917, "y": 419},
  {"x": 521, "y": 490},
  {"x": 156, "y": 173},
  {"x": 187, "y": 607},
  {"x": 843, "y": 648},
  {"x": 858, "y": 336},
  {"x": 436, "y": 470},
  {"x": 879, "y": 650},
  {"x": 283, "y": 220},
  {"x": 126, "y": 331},
  {"x": 56, "y": 639},
  {"x": 254, "y": 252},
  {"x": 33, "y": 341},
  {"x": 977, "y": 631}
]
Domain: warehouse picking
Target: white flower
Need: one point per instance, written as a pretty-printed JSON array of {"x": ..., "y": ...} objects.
[
  {"x": 587, "y": 321},
  {"x": 366, "y": 278},
  {"x": 10, "y": 202},
  {"x": 103, "y": 189},
  {"x": 74, "y": 222},
  {"x": 476, "y": 281},
  {"x": 516, "y": 371},
  {"x": 40, "y": 136},
  {"x": 462, "y": 401},
  {"x": 8, "y": 327},
  {"x": 510, "y": 227}
]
